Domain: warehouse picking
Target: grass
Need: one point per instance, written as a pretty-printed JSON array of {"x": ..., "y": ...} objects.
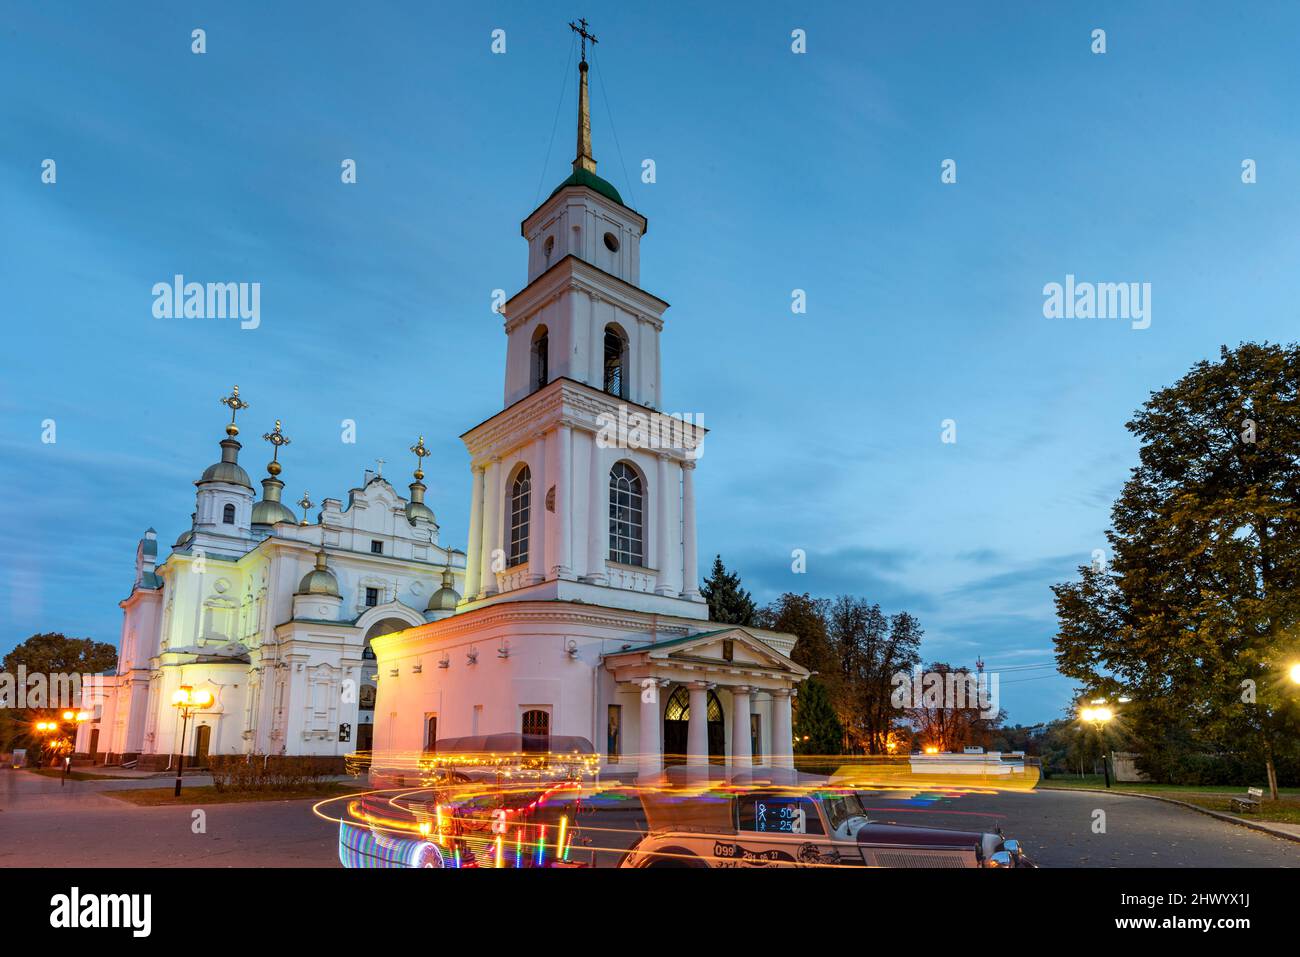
[
  {"x": 1214, "y": 797},
  {"x": 161, "y": 797}
]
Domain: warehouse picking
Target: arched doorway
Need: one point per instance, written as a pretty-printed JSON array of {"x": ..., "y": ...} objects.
[
  {"x": 368, "y": 691},
  {"x": 677, "y": 722}
]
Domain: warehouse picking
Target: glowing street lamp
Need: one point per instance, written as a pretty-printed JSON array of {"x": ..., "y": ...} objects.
[
  {"x": 1294, "y": 673},
  {"x": 1098, "y": 716},
  {"x": 188, "y": 701}
]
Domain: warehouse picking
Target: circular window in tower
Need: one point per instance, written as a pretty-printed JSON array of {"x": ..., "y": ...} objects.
[{"x": 611, "y": 242}]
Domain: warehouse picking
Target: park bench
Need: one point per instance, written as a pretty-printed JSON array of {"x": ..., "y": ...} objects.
[{"x": 1248, "y": 803}]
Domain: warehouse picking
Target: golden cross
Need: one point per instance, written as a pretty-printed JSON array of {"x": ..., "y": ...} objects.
[
  {"x": 580, "y": 28},
  {"x": 236, "y": 405},
  {"x": 277, "y": 439},
  {"x": 420, "y": 452},
  {"x": 305, "y": 503}
]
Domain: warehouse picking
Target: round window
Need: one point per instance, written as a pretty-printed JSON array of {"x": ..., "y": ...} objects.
[{"x": 611, "y": 242}]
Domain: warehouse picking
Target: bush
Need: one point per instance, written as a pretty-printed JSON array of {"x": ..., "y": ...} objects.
[{"x": 259, "y": 772}]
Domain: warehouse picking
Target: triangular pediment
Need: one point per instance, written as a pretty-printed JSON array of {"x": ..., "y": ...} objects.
[{"x": 733, "y": 647}]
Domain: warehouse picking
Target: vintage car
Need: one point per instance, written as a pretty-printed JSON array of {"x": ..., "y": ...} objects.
[{"x": 796, "y": 820}]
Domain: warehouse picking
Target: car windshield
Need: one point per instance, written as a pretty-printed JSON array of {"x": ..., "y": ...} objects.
[{"x": 842, "y": 806}]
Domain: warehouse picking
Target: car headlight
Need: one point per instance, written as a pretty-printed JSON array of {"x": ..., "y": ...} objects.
[{"x": 1000, "y": 859}]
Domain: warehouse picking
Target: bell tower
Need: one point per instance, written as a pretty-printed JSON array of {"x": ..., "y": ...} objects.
[{"x": 564, "y": 507}]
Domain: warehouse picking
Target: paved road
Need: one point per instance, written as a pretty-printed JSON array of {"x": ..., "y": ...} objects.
[
  {"x": 77, "y": 826},
  {"x": 1056, "y": 829},
  {"x": 44, "y": 825}
]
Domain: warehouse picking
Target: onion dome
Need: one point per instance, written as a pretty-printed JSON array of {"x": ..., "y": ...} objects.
[
  {"x": 445, "y": 598},
  {"x": 320, "y": 580},
  {"x": 228, "y": 470},
  {"x": 416, "y": 508},
  {"x": 271, "y": 510}
]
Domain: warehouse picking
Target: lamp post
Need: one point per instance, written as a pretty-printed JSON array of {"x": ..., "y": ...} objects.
[
  {"x": 1097, "y": 717},
  {"x": 1294, "y": 673},
  {"x": 188, "y": 701},
  {"x": 49, "y": 728}
]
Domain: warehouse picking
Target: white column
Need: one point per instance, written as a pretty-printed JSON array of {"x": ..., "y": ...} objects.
[
  {"x": 697, "y": 731},
  {"x": 690, "y": 571},
  {"x": 537, "y": 528},
  {"x": 491, "y": 527},
  {"x": 742, "y": 748},
  {"x": 666, "y": 543},
  {"x": 474, "y": 565},
  {"x": 650, "y": 759},
  {"x": 782, "y": 730},
  {"x": 563, "y": 517},
  {"x": 597, "y": 518},
  {"x": 597, "y": 340}
]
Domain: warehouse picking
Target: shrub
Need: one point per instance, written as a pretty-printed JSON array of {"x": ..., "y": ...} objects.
[{"x": 259, "y": 772}]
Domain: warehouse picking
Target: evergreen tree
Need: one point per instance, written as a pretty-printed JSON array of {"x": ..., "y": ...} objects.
[
  {"x": 729, "y": 604},
  {"x": 817, "y": 730}
]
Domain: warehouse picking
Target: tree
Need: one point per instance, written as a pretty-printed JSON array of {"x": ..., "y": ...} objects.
[
  {"x": 47, "y": 654},
  {"x": 817, "y": 730},
  {"x": 729, "y": 604},
  {"x": 870, "y": 648},
  {"x": 1198, "y": 611},
  {"x": 949, "y": 716},
  {"x": 804, "y": 617}
]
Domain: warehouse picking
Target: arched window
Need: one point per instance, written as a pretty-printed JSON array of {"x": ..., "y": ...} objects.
[
  {"x": 541, "y": 358},
  {"x": 626, "y": 516},
  {"x": 228, "y": 515},
  {"x": 521, "y": 493},
  {"x": 615, "y": 362},
  {"x": 536, "y": 727}
]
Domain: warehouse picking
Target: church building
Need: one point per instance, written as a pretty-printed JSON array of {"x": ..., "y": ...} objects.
[
  {"x": 581, "y": 614},
  {"x": 272, "y": 615}
]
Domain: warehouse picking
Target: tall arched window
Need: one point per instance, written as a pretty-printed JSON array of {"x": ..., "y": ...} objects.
[
  {"x": 626, "y": 516},
  {"x": 521, "y": 493},
  {"x": 541, "y": 358},
  {"x": 228, "y": 515},
  {"x": 615, "y": 362}
]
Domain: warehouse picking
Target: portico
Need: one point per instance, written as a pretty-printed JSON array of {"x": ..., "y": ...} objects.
[{"x": 757, "y": 682}]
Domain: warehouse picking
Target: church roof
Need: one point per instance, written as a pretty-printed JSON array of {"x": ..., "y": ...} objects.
[{"x": 581, "y": 177}]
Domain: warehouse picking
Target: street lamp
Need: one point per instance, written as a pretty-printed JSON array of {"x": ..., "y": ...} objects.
[
  {"x": 1097, "y": 717},
  {"x": 188, "y": 701},
  {"x": 1295, "y": 673},
  {"x": 55, "y": 727}
]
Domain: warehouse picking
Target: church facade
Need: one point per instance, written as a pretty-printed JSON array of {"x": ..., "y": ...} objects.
[
  {"x": 272, "y": 615},
  {"x": 581, "y": 613}
]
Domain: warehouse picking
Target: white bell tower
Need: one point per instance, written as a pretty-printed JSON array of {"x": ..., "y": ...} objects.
[{"x": 572, "y": 500}]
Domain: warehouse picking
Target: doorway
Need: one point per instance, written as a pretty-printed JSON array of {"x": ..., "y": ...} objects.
[
  {"x": 677, "y": 722},
  {"x": 202, "y": 739}
]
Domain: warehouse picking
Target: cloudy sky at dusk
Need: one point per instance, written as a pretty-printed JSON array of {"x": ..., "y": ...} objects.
[{"x": 775, "y": 172}]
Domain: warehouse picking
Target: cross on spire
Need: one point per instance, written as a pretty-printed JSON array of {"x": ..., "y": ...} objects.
[
  {"x": 305, "y": 503},
  {"x": 236, "y": 405},
  {"x": 580, "y": 28},
  {"x": 584, "y": 160},
  {"x": 277, "y": 438}
]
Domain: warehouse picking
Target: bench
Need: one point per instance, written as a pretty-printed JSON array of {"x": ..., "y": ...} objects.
[{"x": 1248, "y": 803}]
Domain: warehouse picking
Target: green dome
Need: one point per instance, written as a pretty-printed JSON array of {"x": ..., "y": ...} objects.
[
  {"x": 581, "y": 177},
  {"x": 419, "y": 509}
]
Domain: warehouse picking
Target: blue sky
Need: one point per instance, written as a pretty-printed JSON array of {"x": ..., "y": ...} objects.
[{"x": 775, "y": 171}]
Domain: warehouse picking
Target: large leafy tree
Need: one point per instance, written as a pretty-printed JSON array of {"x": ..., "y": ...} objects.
[
  {"x": 870, "y": 648},
  {"x": 49, "y": 653},
  {"x": 729, "y": 603},
  {"x": 1197, "y": 615}
]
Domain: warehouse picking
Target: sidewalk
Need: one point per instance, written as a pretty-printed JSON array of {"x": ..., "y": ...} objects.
[{"x": 1288, "y": 832}]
